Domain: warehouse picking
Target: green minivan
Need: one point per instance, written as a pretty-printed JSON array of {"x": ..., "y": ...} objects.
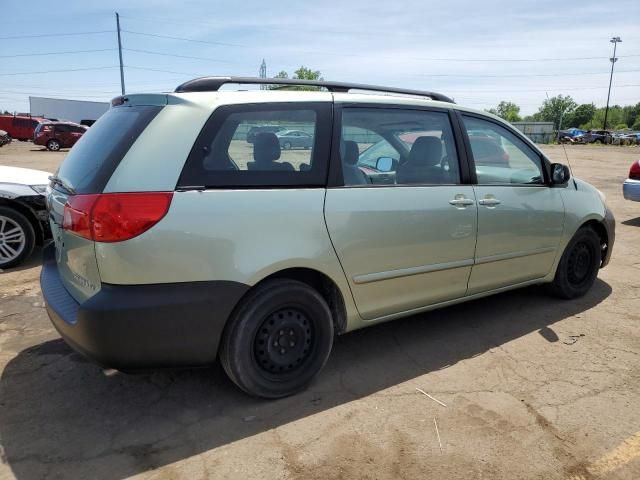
[{"x": 178, "y": 242}]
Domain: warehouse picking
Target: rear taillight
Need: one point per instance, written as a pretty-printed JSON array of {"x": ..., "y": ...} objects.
[
  {"x": 634, "y": 173},
  {"x": 114, "y": 217}
]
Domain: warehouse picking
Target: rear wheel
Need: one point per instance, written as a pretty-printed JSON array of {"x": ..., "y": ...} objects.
[
  {"x": 17, "y": 237},
  {"x": 578, "y": 266},
  {"x": 278, "y": 340},
  {"x": 286, "y": 145},
  {"x": 53, "y": 145}
]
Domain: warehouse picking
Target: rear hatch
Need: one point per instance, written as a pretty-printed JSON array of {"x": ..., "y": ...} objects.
[{"x": 82, "y": 175}]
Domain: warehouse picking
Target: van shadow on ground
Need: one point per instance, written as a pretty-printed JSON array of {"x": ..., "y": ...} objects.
[{"x": 60, "y": 416}]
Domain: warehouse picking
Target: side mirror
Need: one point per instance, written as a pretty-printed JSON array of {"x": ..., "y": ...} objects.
[
  {"x": 384, "y": 164},
  {"x": 560, "y": 174}
]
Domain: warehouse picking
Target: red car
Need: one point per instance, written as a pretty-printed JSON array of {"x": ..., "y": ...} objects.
[
  {"x": 57, "y": 135},
  {"x": 20, "y": 127}
]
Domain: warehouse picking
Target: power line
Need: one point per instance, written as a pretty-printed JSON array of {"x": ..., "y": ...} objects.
[
  {"x": 356, "y": 55},
  {"x": 58, "y": 53},
  {"x": 185, "y": 39},
  {"x": 58, "y": 71},
  {"x": 150, "y": 52},
  {"x": 556, "y": 89},
  {"x": 280, "y": 28},
  {"x": 520, "y": 74},
  {"x": 40, "y": 35}
]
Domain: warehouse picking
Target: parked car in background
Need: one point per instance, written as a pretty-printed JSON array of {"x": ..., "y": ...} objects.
[
  {"x": 253, "y": 131},
  {"x": 294, "y": 139},
  {"x": 631, "y": 186},
  {"x": 293, "y": 251},
  {"x": 569, "y": 135},
  {"x": 630, "y": 139},
  {"x": 57, "y": 135},
  {"x": 20, "y": 127},
  {"x": 23, "y": 215},
  {"x": 595, "y": 136},
  {"x": 4, "y": 138}
]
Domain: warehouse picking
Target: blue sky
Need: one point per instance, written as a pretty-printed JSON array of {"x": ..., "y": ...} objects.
[{"x": 414, "y": 44}]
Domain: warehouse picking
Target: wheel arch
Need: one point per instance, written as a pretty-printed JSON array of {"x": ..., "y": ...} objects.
[
  {"x": 320, "y": 282},
  {"x": 29, "y": 215},
  {"x": 599, "y": 227}
]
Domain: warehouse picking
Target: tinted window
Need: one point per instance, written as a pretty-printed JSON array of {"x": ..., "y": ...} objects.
[
  {"x": 382, "y": 146},
  {"x": 93, "y": 159},
  {"x": 500, "y": 156},
  {"x": 62, "y": 128},
  {"x": 266, "y": 144}
]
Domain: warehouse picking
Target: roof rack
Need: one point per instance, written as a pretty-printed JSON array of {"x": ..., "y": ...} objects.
[{"x": 213, "y": 84}]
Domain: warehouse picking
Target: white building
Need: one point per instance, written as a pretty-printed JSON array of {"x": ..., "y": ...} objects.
[{"x": 64, "y": 109}]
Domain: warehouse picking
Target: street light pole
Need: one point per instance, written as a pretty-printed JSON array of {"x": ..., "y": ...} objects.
[{"x": 613, "y": 60}]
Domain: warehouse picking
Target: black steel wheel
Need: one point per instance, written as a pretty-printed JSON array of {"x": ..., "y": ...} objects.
[
  {"x": 578, "y": 265},
  {"x": 278, "y": 339}
]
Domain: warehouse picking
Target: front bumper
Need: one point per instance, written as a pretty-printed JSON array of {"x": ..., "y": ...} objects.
[
  {"x": 631, "y": 190},
  {"x": 610, "y": 227},
  {"x": 131, "y": 327}
]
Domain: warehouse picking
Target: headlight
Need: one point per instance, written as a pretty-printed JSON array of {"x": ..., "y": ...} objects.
[
  {"x": 39, "y": 189},
  {"x": 602, "y": 196}
]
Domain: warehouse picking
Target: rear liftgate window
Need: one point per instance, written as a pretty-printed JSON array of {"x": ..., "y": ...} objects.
[
  {"x": 256, "y": 145},
  {"x": 91, "y": 162}
]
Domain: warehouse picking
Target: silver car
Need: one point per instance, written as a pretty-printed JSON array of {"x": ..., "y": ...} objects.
[{"x": 177, "y": 243}]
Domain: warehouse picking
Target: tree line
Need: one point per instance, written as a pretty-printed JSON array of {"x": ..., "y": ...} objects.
[{"x": 565, "y": 113}]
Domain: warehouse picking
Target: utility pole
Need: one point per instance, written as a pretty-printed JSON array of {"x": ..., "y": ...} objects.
[
  {"x": 120, "y": 54},
  {"x": 613, "y": 60},
  {"x": 263, "y": 73}
]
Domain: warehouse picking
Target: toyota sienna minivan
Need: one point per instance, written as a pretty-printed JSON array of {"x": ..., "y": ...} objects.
[{"x": 177, "y": 242}]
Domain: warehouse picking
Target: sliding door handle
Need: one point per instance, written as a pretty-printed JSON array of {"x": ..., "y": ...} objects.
[
  {"x": 489, "y": 202},
  {"x": 461, "y": 202}
]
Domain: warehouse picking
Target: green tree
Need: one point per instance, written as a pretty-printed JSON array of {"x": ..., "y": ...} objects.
[
  {"x": 582, "y": 115},
  {"x": 636, "y": 126},
  {"x": 556, "y": 108},
  {"x": 302, "y": 73},
  {"x": 507, "y": 110},
  {"x": 613, "y": 118}
]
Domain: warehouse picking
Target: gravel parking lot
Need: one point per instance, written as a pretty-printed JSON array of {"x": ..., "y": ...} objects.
[{"x": 534, "y": 387}]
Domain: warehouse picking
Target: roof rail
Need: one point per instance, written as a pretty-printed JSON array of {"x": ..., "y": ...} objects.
[{"x": 213, "y": 84}]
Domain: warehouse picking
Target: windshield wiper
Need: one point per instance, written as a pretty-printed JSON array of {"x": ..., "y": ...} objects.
[{"x": 61, "y": 183}]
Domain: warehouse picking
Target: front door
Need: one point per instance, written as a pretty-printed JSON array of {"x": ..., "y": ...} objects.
[
  {"x": 409, "y": 242},
  {"x": 520, "y": 216}
]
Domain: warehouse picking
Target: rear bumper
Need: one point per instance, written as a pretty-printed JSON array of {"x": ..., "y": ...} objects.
[
  {"x": 610, "y": 227},
  {"x": 631, "y": 190},
  {"x": 131, "y": 327}
]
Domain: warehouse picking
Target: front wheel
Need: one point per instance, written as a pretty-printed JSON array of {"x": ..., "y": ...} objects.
[
  {"x": 17, "y": 237},
  {"x": 286, "y": 146},
  {"x": 578, "y": 266},
  {"x": 278, "y": 339}
]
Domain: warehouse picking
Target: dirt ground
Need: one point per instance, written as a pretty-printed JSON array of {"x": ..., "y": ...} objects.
[{"x": 534, "y": 387}]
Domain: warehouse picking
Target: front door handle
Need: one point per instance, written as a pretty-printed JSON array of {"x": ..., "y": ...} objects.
[
  {"x": 460, "y": 201},
  {"x": 489, "y": 202}
]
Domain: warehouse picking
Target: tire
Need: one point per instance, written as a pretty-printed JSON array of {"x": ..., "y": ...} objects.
[
  {"x": 53, "y": 145},
  {"x": 253, "y": 352},
  {"x": 13, "y": 253},
  {"x": 597, "y": 140},
  {"x": 286, "y": 146},
  {"x": 579, "y": 265}
]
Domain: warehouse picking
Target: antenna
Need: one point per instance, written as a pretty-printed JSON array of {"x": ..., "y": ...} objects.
[{"x": 566, "y": 155}]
